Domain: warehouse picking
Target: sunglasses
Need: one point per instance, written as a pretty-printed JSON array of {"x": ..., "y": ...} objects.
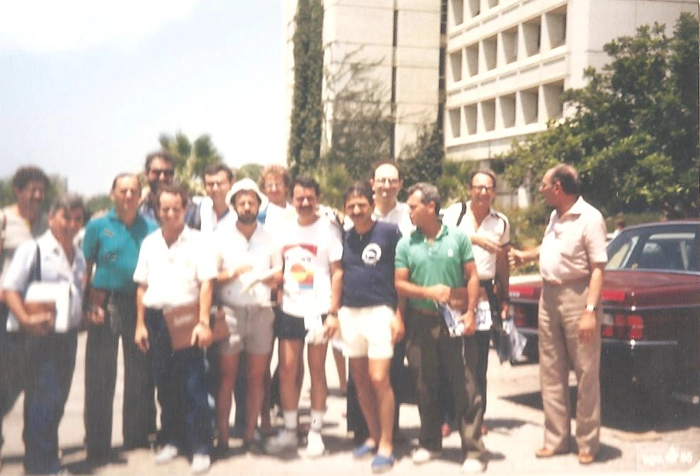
[{"x": 166, "y": 172}]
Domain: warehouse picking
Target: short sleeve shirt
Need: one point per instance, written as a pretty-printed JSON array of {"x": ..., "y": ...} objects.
[
  {"x": 368, "y": 266},
  {"x": 399, "y": 215},
  {"x": 441, "y": 262},
  {"x": 494, "y": 226},
  {"x": 55, "y": 267},
  {"x": 114, "y": 248},
  {"x": 262, "y": 252},
  {"x": 17, "y": 231},
  {"x": 174, "y": 274},
  {"x": 572, "y": 243},
  {"x": 308, "y": 252}
]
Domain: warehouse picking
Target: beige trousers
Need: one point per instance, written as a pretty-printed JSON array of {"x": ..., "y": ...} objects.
[{"x": 559, "y": 348}]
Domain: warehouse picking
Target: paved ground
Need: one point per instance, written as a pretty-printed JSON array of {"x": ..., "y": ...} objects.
[{"x": 514, "y": 418}]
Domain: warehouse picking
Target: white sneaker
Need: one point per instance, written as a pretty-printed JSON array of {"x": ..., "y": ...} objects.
[
  {"x": 200, "y": 463},
  {"x": 315, "y": 446},
  {"x": 285, "y": 440},
  {"x": 473, "y": 466},
  {"x": 166, "y": 454},
  {"x": 422, "y": 455}
]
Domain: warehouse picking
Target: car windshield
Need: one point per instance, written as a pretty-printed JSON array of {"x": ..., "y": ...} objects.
[{"x": 663, "y": 247}]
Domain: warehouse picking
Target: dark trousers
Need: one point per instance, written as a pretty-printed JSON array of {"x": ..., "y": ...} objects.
[
  {"x": 49, "y": 365},
  {"x": 11, "y": 367},
  {"x": 483, "y": 341},
  {"x": 180, "y": 378},
  {"x": 139, "y": 409},
  {"x": 430, "y": 351}
]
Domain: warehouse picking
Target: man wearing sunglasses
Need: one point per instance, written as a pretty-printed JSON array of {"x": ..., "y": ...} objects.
[{"x": 160, "y": 170}]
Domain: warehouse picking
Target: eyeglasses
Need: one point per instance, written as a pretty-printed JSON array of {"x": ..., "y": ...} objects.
[
  {"x": 217, "y": 183},
  {"x": 166, "y": 172},
  {"x": 271, "y": 185},
  {"x": 387, "y": 180},
  {"x": 482, "y": 188}
]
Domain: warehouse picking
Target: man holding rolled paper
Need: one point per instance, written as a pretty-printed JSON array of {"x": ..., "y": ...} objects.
[
  {"x": 435, "y": 271},
  {"x": 43, "y": 290},
  {"x": 175, "y": 270}
]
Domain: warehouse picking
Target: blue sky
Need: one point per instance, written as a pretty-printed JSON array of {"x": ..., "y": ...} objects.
[{"x": 87, "y": 87}]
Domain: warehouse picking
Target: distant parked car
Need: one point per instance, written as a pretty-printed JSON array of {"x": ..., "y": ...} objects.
[{"x": 651, "y": 320}]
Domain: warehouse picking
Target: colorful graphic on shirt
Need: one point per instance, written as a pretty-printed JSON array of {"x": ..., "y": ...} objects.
[{"x": 299, "y": 271}]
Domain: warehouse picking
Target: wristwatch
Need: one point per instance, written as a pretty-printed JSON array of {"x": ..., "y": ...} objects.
[{"x": 590, "y": 307}]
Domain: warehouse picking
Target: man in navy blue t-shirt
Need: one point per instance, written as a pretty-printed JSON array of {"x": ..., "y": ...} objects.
[{"x": 370, "y": 322}]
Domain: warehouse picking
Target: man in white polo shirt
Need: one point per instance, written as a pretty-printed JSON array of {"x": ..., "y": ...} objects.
[{"x": 176, "y": 267}]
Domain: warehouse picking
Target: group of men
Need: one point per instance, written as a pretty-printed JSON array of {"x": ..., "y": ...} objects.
[{"x": 276, "y": 264}]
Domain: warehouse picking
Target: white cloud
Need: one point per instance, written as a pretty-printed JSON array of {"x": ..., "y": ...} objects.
[{"x": 41, "y": 26}]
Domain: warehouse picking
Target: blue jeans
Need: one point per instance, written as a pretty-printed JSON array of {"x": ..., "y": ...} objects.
[
  {"x": 180, "y": 377},
  {"x": 49, "y": 364}
]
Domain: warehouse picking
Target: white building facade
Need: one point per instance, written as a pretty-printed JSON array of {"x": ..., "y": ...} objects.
[{"x": 508, "y": 62}]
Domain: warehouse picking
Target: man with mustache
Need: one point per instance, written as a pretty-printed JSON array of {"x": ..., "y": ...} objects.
[{"x": 312, "y": 250}]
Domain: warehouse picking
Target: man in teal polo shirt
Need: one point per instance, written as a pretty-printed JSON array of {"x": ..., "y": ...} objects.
[
  {"x": 112, "y": 243},
  {"x": 435, "y": 265}
]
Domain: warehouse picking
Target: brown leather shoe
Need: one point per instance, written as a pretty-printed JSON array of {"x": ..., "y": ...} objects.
[
  {"x": 546, "y": 452},
  {"x": 584, "y": 457}
]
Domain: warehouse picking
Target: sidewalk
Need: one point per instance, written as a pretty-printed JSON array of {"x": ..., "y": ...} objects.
[{"x": 514, "y": 419}]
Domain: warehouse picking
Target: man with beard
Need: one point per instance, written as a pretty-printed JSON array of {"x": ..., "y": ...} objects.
[
  {"x": 312, "y": 250},
  {"x": 250, "y": 264},
  {"x": 111, "y": 245},
  {"x": 370, "y": 323},
  {"x": 160, "y": 170},
  {"x": 19, "y": 222}
]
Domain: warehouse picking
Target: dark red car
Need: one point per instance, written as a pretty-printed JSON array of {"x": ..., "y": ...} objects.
[{"x": 651, "y": 321}]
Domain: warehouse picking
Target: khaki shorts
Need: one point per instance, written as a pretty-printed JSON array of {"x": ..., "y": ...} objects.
[
  {"x": 251, "y": 330},
  {"x": 366, "y": 331}
]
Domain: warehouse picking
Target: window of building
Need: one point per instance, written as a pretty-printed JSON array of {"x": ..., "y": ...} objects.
[
  {"x": 470, "y": 118},
  {"x": 456, "y": 66},
  {"x": 488, "y": 114},
  {"x": 509, "y": 45},
  {"x": 472, "y": 54},
  {"x": 529, "y": 105},
  {"x": 530, "y": 34},
  {"x": 457, "y": 12},
  {"x": 474, "y": 7},
  {"x": 552, "y": 100},
  {"x": 455, "y": 122},
  {"x": 555, "y": 22},
  {"x": 506, "y": 106},
  {"x": 488, "y": 48}
]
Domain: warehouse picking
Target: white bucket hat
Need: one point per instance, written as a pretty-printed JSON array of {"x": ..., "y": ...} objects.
[{"x": 247, "y": 185}]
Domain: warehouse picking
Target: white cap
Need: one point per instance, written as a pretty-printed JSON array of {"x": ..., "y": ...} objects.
[{"x": 248, "y": 185}]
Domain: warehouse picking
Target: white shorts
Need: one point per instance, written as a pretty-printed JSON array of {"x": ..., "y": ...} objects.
[{"x": 366, "y": 331}]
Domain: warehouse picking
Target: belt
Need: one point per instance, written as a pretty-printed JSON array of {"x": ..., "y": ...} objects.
[
  {"x": 424, "y": 312},
  {"x": 486, "y": 283}
]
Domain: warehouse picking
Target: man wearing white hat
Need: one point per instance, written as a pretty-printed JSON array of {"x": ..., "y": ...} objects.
[{"x": 250, "y": 264}]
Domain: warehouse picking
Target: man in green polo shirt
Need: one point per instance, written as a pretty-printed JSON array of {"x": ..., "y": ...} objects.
[
  {"x": 435, "y": 265},
  {"x": 112, "y": 243}
]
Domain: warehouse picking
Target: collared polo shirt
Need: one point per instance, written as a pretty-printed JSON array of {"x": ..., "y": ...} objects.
[
  {"x": 399, "y": 216},
  {"x": 572, "y": 243},
  {"x": 55, "y": 267},
  {"x": 494, "y": 226},
  {"x": 114, "y": 248},
  {"x": 173, "y": 274},
  {"x": 441, "y": 262},
  {"x": 262, "y": 252},
  {"x": 192, "y": 218},
  {"x": 209, "y": 222}
]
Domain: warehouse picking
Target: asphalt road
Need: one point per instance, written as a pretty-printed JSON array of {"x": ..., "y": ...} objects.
[{"x": 514, "y": 418}]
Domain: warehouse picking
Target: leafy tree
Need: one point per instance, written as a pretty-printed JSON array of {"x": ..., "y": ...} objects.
[
  {"x": 98, "y": 203},
  {"x": 191, "y": 158},
  {"x": 307, "y": 111},
  {"x": 251, "y": 171},
  {"x": 422, "y": 161},
  {"x": 634, "y": 133}
]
